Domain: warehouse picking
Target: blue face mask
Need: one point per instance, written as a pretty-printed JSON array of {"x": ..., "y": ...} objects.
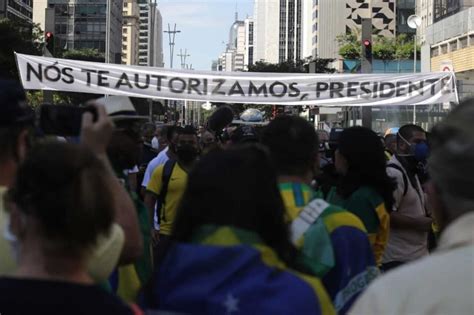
[{"x": 420, "y": 151}]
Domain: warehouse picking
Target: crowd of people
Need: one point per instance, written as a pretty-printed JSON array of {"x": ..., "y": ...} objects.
[{"x": 134, "y": 218}]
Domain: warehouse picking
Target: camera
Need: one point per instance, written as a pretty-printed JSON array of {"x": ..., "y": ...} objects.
[{"x": 63, "y": 120}]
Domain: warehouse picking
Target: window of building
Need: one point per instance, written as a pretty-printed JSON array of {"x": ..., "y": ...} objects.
[
  {"x": 463, "y": 42},
  {"x": 125, "y": 30},
  {"x": 471, "y": 39},
  {"x": 453, "y": 46},
  {"x": 124, "y": 47},
  {"x": 434, "y": 51},
  {"x": 444, "y": 49}
]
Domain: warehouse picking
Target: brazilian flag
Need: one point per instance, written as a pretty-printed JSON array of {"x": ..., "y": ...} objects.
[{"x": 226, "y": 270}]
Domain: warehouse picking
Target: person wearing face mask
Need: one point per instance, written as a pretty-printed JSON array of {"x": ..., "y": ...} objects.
[
  {"x": 410, "y": 221},
  {"x": 167, "y": 185}
]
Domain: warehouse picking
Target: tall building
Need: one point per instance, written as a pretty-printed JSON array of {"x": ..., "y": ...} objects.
[
  {"x": 234, "y": 57},
  {"x": 130, "y": 32},
  {"x": 447, "y": 40},
  {"x": 328, "y": 24},
  {"x": 290, "y": 30},
  {"x": 249, "y": 41},
  {"x": 283, "y": 30},
  {"x": 151, "y": 38},
  {"x": 307, "y": 28},
  {"x": 267, "y": 30},
  {"x": 404, "y": 8},
  {"x": 20, "y": 11},
  {"x": 82, "y": 24}
]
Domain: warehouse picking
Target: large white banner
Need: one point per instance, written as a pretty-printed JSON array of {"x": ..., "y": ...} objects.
[{"x": 42, "y": 73}]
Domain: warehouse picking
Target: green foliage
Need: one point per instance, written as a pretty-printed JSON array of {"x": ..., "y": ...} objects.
[
  {"x": 404, "y": 48},
  {"x": 300, "y": 66},
  {"x": 16, "y": 37},
  {"x": 86, "y": 54},
  {"x": 350, "y": 47},
  {"x": 384, "y": 48}
]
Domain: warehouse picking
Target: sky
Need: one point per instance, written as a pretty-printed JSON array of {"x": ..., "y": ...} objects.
[{"x": 204, "y": 26}]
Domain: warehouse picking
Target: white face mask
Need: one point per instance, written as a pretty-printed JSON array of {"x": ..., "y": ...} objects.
[{"x": 13, "y": 240}]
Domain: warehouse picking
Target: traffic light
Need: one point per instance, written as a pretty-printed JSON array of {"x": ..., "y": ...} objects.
[
  {"x": 367, "y": 49},
  {"x": 49, "y": 42}
]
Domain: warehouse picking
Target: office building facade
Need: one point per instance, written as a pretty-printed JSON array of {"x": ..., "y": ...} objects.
[
  {"x": 328, "y": 24},
  {"x": 130, "y": 32},
  {"x": 151, "y": 35},
  {"x": 83, "y": 24},
  {"x": 237, "y": 51},
  {"x": 448, "y": 42},
  {"x": 19, "y": 11},
  {"x": 249, "y": 42},
  {"x": 282, "y": 30}
]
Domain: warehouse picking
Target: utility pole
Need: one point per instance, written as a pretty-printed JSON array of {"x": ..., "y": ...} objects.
[
  {"x": 366, "y": 65},
  {"x": 183, "y": 57},
  {"x": 172, "y": 36},
  {"x": 171, "y": 39}
]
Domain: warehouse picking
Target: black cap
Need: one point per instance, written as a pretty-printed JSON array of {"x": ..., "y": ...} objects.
[{"x": 13, "y": 107}]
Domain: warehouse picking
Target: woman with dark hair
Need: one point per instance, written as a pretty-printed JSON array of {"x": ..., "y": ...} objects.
[
  {"x": 233, "y": 250},
  {"x": 59, "y": 206},
  {"x": 364, "y": 188}
]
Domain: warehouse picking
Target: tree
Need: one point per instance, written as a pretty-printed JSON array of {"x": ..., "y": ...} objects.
[
  {"x": 384, "y": 48},
  {"x": 86, "y": 54},
  {"x": 16, "y": 37},
  {"x": 349, "y": 44}
]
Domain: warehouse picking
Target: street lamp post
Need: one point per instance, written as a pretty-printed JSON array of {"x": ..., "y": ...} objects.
[{"x": 414, "y": 21}]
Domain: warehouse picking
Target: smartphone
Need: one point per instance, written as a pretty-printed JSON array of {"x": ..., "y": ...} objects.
[{"x": 63, "y": 120}]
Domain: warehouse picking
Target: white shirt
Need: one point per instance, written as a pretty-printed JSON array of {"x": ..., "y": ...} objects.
[
  {"x": 155, "y": 143},
  {"x": 442, "y": 283},
  {"x": 406, "y": 245},
  {"x": 159, "y": 160}
]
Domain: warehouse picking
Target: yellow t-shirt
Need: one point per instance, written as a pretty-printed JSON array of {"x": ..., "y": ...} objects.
[{"x": 176, "y": 187}]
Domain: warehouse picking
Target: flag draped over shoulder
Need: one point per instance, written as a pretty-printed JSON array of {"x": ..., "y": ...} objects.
[{"x": 226, "y": 270}]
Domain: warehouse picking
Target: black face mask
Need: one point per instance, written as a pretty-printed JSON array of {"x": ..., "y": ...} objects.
[{"x": 186, "y": 153}]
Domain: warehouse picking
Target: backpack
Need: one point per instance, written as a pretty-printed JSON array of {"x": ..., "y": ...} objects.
[
  {"x": 165, "y": 180},
  {"x": 405, "y": 180}
]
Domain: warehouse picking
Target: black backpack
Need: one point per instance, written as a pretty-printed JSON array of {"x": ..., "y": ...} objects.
[
  {"x": 405, "y": 180},
  {"x": 165, "y": 180}
]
